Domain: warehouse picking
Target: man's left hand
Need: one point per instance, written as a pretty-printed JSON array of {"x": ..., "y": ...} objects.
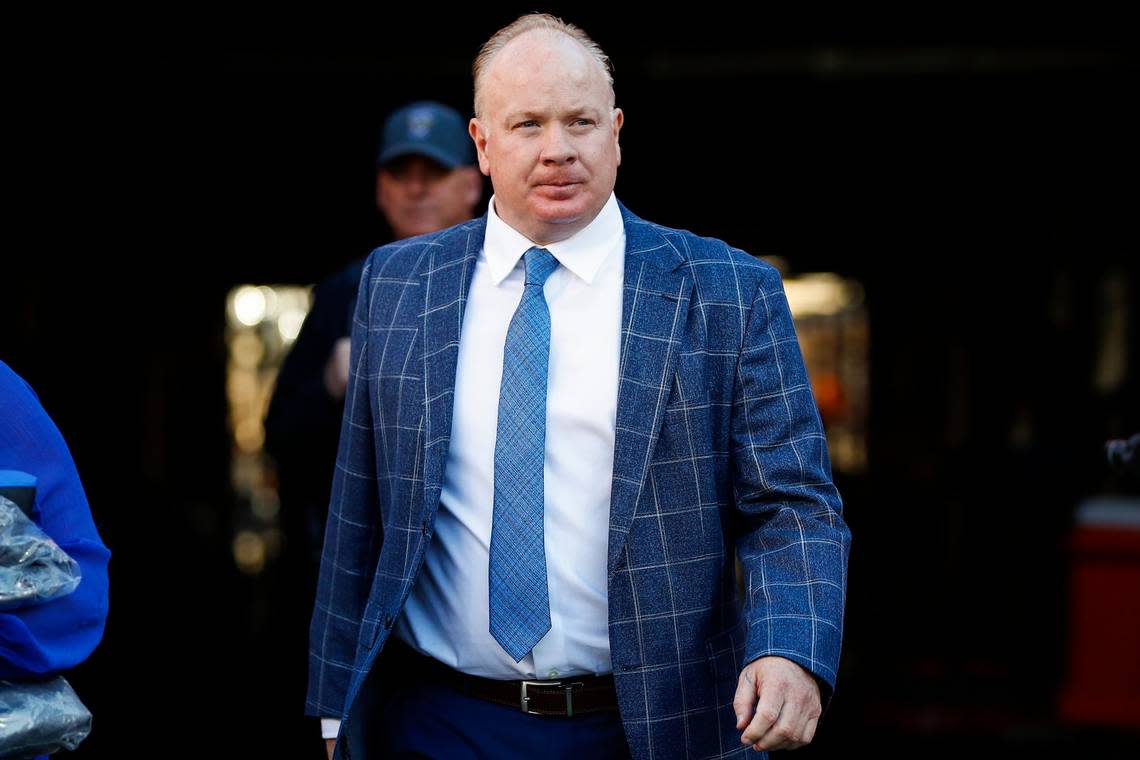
[{"x": 788, "y": 708}]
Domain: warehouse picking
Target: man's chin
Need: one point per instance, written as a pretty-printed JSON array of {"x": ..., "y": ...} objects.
[
  {"x": 561, "y": 213},
  {"x": 553, "y": 229}
]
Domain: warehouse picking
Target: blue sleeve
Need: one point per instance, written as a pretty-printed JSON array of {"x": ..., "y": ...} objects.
[
  {"x": 795, "y": 543},
  {"x": 60, "y": 634}
]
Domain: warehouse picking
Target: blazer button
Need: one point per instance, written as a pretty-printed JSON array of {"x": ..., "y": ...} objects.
[{"x": 387, "y": 621}]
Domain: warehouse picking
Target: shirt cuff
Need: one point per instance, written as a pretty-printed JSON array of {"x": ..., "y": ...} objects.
[{"x": 330, "y": 727}]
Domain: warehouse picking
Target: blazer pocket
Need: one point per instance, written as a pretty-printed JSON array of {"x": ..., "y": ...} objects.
[{"x": 689, "y": 387}]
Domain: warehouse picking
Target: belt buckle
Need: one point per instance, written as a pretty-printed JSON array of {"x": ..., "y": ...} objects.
[{"x": 524, "y": 699}]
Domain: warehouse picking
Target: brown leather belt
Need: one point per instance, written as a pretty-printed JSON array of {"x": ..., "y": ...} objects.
[{"x": 567, "y": 697}]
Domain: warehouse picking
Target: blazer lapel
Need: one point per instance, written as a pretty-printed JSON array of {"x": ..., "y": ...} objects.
[
  {"x": 655, "y": 305},
  {"x": 447, "y": 281}
]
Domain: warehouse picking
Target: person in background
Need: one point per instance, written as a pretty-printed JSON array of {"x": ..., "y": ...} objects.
[{"x": 426, "y": 180}]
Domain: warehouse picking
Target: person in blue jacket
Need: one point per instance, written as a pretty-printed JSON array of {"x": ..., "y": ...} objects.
[{"x": 55, "y": 636}]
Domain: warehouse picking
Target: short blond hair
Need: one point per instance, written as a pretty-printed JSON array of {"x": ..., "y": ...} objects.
[{"x": 527, "y": 23}]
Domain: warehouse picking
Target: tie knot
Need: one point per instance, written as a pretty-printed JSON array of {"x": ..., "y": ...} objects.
[{"x": 540, "y": 263}]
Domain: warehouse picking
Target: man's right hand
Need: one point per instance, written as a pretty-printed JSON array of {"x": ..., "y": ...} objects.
[{"x": 330, "y": 745}]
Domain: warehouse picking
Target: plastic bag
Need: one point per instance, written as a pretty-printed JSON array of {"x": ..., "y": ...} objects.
[
  {"x": 37, "y": 716},
  {"x": 33, "y": 569},
  {"x": 40, "y": 717}
]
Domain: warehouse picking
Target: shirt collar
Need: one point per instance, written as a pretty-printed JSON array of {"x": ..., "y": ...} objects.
[{"x": 583, "y": 253}]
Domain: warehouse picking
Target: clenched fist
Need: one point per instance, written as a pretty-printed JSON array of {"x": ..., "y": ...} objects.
[{"x": 777, "y": 704}]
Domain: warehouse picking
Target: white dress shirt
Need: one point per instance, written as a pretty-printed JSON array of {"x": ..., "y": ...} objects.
[{"x": 447, "y": 612}]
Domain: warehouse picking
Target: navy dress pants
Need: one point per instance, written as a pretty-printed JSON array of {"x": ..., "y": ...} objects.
[{"x": 431, "y": 720}]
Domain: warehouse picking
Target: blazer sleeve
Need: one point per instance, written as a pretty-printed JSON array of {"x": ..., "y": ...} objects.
[
  {"x": 353, "y": 533},
  {"x": 794, "y": 543}
]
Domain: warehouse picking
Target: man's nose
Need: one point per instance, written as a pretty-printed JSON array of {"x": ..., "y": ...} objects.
[
  {"x": 557, "y": 147},
  {"x": 416, "y": 183}
]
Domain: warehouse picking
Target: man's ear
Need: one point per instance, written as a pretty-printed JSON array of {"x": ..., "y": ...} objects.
[
  {"x": 619, "y": 119},
  {"x": 480, "y": 138}
]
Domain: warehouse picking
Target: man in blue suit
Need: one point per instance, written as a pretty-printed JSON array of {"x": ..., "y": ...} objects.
[{"x": 563, "y": 424}]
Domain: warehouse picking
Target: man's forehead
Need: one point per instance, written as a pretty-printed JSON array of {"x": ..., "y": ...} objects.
[{"x": 531, "y": 75}]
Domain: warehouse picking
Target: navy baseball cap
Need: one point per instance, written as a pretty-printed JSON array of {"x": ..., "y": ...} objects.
[{"x": 427, "y": 128}]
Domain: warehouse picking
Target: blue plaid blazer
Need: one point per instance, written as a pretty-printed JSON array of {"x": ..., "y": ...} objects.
[{"x": 719, "y": 453}]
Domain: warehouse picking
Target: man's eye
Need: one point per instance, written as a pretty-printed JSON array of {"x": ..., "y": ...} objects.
[
  {"x": 584, "y": 122},
  {"x": 528, "y": 123}
]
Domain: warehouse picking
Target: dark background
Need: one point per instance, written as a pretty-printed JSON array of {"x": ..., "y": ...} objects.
[{"x": 976, "y": 175}]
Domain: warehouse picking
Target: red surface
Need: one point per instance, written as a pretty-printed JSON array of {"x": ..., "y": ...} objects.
[{"x": 1103, "y": 669}]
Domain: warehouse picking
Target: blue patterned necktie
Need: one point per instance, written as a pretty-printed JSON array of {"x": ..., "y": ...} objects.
[{"x": 520, "y": 604}]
